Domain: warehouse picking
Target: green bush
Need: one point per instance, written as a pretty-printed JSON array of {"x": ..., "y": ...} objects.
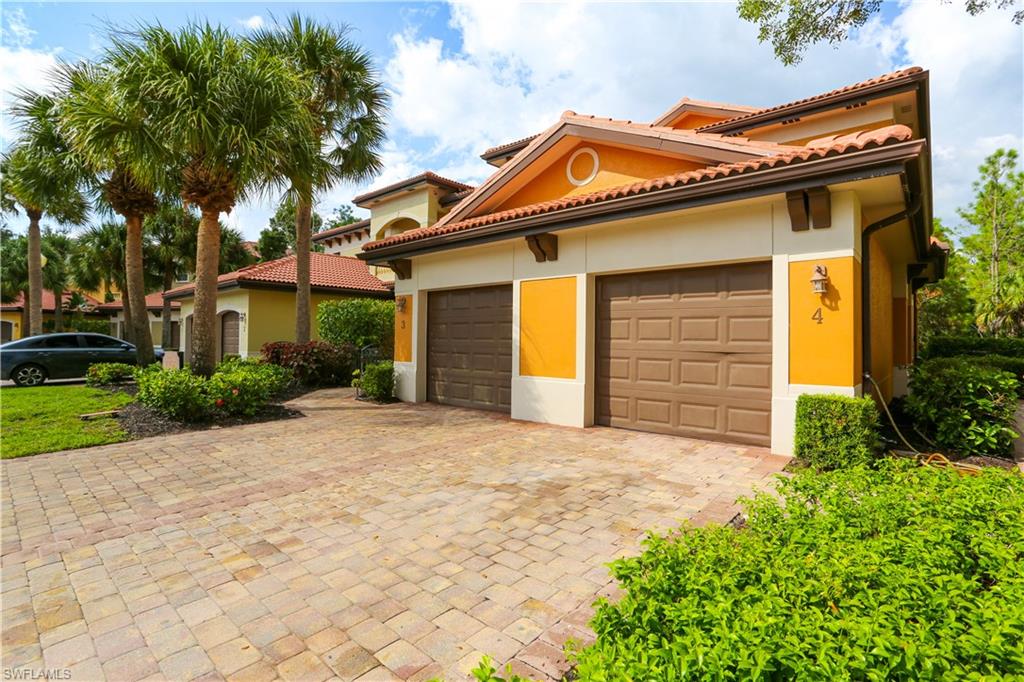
[
  {"x": 1014, "y": 366},
  {"x": 242, "y": 387},
  {"x": 315, "y": 363},
  {"x": 895, "y": 573},
  {"x": 377, "y": 381},
  {"x": 177, "y": 393},
  {"x": 360, "y": 322},
  {"x": 949, "y": 346},
  {"x": 834, "y": 431},
  {"x": 108, "y": 373},
  {"x": 964, "y": 407}
]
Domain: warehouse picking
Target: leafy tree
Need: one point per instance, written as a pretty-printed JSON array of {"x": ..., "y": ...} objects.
[
  {"x": 341, "y": 216},
  {"x": 791, "y": 26},
  {"x": 57, "y": 247},
  {"x": 995, "y": 244},
  {"x": 946, "y": 308},
  {"x": 348, "y": 105},
  {"x": 111, "y": 132},
  {"x": 228, "y": 118},
  {"x": 98, "y": 262},
  {"x": 169, "y": 230},
  {"x": 279, "y": 235},
  {"x": 14, "y": 270},
  {"x": 42, "y": 176}
]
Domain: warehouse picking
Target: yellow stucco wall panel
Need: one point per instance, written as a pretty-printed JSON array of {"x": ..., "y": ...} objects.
[
  {"x": 547, "y": 328},
  {"x": 824, "y": 329},
  {"x": 403, "y": 328}
]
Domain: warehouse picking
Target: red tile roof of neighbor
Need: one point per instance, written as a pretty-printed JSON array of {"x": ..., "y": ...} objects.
[
  {"x": 48, "y": 299},
  {"x": 326, "y": 271},
  {"x": 154, "y": 301},
  {"x": 817, "y": 149}
]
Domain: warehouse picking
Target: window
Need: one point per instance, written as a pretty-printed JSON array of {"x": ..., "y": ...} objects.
[
  {"x": 102, "y": 342},
  {"x": 59, "y": 341}
]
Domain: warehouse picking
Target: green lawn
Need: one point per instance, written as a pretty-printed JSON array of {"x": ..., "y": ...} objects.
[{"x": 45, "y": 419}]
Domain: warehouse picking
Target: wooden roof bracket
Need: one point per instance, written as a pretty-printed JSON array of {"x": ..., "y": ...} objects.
[
  {"x": 544, "y": 246},
  {"x": 807, "y": 207},
  {"x": 402, "y": 267}
]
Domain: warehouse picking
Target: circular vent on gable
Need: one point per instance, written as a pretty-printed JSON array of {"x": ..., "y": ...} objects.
[{"x": 582, "y": 166}]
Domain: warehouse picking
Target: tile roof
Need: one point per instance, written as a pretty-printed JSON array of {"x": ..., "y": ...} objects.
[
  {"x": 48, "y": 299},
  {"x": 797, "y": 104},
  {"x": 342, "y": 229},
  {"x": 824, "y": 147},
  {"x": 515, "y": 145},
  {"x": 326, "y": 271},
  {"x": 428, "y": 176},
  {"x": 688, "y": 104},
  {"x": 154, "y": 301}
]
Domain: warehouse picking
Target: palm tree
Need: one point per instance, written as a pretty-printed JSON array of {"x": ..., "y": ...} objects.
[
  {"x": 169, "y": 230},
  {"x": 43, "y": 176},
  {"x": 226, "y": 116},
  {"x": 14, "y": 269},
  {"x": 57, "y": 247},
  {"x": 348, "y": 104},
  {"x": 110, "y": 131},
  {"x": 98, "y": 261}
]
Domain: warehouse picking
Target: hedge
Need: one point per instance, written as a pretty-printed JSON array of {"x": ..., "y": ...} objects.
[
  {"x": 834, "y": 431},
  {"x": 360, "y": 322},
  {"x": 377, "y": 381},
  {"x": 949, "y": 346},
  {"x": 896, "y": 573},
  {"x": 315, "y": 363}
]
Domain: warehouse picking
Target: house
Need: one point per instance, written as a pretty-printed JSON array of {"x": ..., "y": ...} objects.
[
  {"x": 692, "y": 275},
  {"x": 256, "y": 304},
  {"x": 154, "y": 309},
  {"x": 407, "y": 205},
  {"x": 14, "y": 315}
]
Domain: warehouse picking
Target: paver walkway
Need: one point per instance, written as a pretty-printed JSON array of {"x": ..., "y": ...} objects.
[{"x": 358, "y": 542}]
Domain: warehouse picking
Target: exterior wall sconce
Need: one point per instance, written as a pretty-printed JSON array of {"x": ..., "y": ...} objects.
[
  {"x": 241, "y": 317},
  {"x": 819, "y": 280},
  {"x": 400, "y": 304}
]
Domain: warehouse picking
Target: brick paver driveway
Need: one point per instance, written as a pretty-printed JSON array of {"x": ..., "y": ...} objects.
[{"x": 357, "y": 542}]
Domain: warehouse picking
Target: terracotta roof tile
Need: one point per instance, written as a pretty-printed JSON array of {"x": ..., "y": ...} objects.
[
  {"x": 326, "y": 271},
  {"x": 427, "y": 176},
  {"x": 48, "y": 299},
  {"x": 878, "y": 80},
  {"x": 154, "y": 301},
  {"x": 839, "y": 145},
  {"x": 508, "y": 146}
]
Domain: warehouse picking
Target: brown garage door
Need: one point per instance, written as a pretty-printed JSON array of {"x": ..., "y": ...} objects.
[
  {"x": 469, "y": 347},
  {"x": 687, "y": 352}
]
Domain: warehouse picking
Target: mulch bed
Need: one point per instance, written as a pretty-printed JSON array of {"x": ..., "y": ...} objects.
[{"x": 140, "y": 421}]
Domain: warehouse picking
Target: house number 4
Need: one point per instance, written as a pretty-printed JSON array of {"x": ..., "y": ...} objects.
[{"x": 817, "y": 316}]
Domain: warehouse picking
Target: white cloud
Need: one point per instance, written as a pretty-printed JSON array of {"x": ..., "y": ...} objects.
[
  {"x": 252, "y": 23},
  {"x": 21, "y": 67},
  {"x": 16, "y": 31}
]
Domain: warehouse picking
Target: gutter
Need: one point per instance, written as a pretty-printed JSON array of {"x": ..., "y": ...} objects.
[{"x": 876, "y": 162}]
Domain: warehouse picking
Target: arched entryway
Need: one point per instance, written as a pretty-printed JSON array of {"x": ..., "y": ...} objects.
[{"x": 229, "y": 328}]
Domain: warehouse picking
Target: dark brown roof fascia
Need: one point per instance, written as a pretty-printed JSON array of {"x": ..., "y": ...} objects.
[
  {"x": 875, "y": 91},
  {"x": 876, "y": 162},
  {"x": 344, "y": 229}
]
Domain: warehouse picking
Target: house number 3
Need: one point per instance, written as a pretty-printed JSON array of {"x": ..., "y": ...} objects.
[{"x": 817, "y": 316}]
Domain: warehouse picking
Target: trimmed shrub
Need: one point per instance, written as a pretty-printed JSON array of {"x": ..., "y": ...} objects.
[
  {"x": 834, "y": 431},
  {"x": 177, "y": 393},
  {"x": 242, "y": 387},
  {"x": 949, "y": 346},
  {"x": 896, "y": 573},
  {"x": 965, "y": 407},
  {"x": 1014, "y": 366},
  {"x": 377, "y": 381},
  {"x": 315, "y": 363},
  {"x": 108, "y": 373},
  {"x": 360, "y": 322}
]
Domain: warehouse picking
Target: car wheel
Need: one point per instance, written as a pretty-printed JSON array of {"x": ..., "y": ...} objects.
[{"x": 29, "y": 375}]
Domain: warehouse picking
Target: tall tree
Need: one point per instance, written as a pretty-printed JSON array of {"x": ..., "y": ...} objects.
[
  {"x": 227, "y": 116},
  {"x": 946, "y": 307},
  {"x": 791, "y": 26},
  {"x": 14, "y": 271},
  {"x": 111, "y": 132},
  {"x": 279, "y": 234},
  {"x": 348, "y": 104},
  {"x": 43, "y": 176},
  {"x": 994, "y": 242},
  {"x": 170, "y": 229},
  {"x": 98, "y": 262},
  {"x": 57, "y": 247}
]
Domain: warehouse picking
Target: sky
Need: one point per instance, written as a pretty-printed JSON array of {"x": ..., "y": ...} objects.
[{"x": 467, "y": 76}]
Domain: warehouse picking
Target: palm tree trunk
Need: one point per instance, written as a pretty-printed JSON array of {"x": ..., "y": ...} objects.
[
  {"x": 137, "y": 289},
  {"x": 35, "y": 274},
  {"x": 303, "y": 245},
  {"x": 126, "y": 306},
  {"x": 58, "y": 311},
  {"x": 165, "y": 312},
  {"x": 204, "y": 315},
  {"x": 24, "y": 313}
]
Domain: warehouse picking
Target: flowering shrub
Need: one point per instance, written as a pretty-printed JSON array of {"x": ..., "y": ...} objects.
[
  {"x": 241, "y": 387},
  {"x": 315, "y": 363},
  {"x": 107, "y": 373}
]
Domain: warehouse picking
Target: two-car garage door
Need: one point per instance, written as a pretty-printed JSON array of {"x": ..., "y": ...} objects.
[{"x": 687, "y": 352}]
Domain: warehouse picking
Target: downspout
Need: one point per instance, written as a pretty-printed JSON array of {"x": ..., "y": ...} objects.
[{"x": 865, "y": 277}]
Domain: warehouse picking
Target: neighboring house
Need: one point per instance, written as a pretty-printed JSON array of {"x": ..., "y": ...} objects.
[
  {"x": 154, "y": 307},
  {"x": 257, "y": 303},
  {"x": 14, "y": 317},
  {"x": 407, "y": 205},
  {"x": 689, "y": 276}
]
